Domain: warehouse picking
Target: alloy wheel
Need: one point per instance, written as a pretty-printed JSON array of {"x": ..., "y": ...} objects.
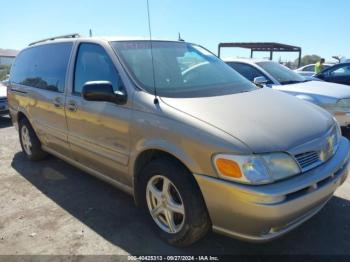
[
  {"x": 26, "y": 142},
  {"x": 165, "y": 204}
]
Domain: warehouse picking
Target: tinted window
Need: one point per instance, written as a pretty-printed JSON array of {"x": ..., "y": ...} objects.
[
  {"x": 43, "y": 66},
  {"x": 247, "y": 71},
  {"x": 180, "y": 69},
  {"x": 341, "y": 71},
  {"x": 94, "y": 64}
]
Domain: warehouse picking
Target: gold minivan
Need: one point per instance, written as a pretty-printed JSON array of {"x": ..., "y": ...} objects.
[{"x": 197, "y": 145}]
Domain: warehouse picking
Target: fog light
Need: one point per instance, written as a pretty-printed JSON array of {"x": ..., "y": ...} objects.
[{"x": 270, "y": 200}]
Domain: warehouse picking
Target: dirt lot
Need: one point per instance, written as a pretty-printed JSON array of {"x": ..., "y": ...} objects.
[{"x": 50, "y": 207}]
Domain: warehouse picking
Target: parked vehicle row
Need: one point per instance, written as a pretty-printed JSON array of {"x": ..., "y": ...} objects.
[
  {"x": 335, "y": 73},
  {"x": 198, "y": 146},
  {"x": 309, "y": 70},
  {"x": 334, "y": 98}
]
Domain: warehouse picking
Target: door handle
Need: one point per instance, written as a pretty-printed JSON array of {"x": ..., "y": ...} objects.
[
  {"x": 72, "y": 106},
  {"x": 57, "y": 102}
]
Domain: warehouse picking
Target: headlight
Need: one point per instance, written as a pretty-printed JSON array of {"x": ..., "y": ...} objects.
[
  {"x": 342, "y": 106},
  {"x": 255, "y": 169},
  {"x": 337, "y": 133}
]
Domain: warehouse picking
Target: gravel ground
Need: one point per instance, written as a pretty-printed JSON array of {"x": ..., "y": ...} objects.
[{"x": 50, "y": 207}]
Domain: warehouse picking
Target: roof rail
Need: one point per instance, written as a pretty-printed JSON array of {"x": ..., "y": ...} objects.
[{"x": 56, "y": 37}]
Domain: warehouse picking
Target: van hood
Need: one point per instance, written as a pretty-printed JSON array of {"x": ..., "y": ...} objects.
[
  {"x": 265, "y": 120},
  {"x": 318, "y": 88}
]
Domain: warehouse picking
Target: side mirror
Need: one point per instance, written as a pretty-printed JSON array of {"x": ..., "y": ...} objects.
[
  {"x": 102, "y": 91},
  {"x": 260, "y": 81}
]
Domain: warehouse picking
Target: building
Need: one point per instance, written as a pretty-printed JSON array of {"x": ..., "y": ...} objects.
[{"x": 7, "y": 56}]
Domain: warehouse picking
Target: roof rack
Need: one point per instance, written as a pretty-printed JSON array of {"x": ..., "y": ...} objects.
[{"x": 56, "y": 37}]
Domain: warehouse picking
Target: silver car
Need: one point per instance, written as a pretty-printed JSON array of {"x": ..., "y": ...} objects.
[
  {"x": 309, "y": 70},
  {"x": 197, "y": 145},
  {"x": 335, "y": 98}
]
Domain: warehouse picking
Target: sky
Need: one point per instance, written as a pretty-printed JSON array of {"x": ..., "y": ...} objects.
[{"x": 318, "y": 26}]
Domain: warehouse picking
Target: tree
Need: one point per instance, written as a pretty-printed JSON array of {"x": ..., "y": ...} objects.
[{"x": 308, "y": 59}]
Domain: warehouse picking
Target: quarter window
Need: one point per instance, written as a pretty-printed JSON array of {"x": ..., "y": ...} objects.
[
  {"x": 94, "y": 64},
  {"x": 247, "y": 71},
  {"x": 42, "y": 66}
]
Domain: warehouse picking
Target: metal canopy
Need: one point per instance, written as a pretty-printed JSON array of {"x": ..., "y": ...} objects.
[{"x": 263, "y": 47}]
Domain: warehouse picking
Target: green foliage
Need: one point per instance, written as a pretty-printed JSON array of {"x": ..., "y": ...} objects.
[
  {"x": 4, "y": 71},
  {"x": 309, "y": 59}
]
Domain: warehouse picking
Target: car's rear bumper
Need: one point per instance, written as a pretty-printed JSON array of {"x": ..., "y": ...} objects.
[{"x": 244, "y": 211}]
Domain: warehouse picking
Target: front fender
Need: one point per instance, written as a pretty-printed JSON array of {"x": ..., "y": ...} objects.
[{"x": 167, "y": 147}]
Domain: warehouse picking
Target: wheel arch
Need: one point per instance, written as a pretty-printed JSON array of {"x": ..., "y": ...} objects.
[
  {"x": 20, "y": 116},
  {"x": 151, "y": 154}
]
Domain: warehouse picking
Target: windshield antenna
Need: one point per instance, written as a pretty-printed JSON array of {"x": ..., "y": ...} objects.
[
  {"x": 180, "y": 39},
  {"x": 150, "y": 40}
]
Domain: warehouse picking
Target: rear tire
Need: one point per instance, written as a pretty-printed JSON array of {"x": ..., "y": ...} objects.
[
  {"x": 30, "y": 143},
  {"x": 169, "y": 190}
]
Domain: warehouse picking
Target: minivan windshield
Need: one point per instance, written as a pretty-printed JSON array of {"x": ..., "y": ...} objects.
[
  {"x": 180, "y": 69},
  {"x": 281, "y": 73}
]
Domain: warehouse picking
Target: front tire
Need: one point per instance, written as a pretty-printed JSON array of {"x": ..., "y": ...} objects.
[
  {"x": 174, "y": 203},
  {"x": 30, "y": 143}
]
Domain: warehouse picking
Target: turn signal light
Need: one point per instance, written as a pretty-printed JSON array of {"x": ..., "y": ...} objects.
[
  {"x": 228, "y": 168},
  {"x": 339, "y": 113}
]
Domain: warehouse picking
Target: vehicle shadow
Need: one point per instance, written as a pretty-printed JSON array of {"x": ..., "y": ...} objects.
[
  {"x": 113, "y": 215},
  {"x": 5, "y": 122}
]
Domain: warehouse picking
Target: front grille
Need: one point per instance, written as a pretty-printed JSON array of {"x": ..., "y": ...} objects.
[
  {"x": 308, "y": 160},
  {"x": 321, "y": 152}
]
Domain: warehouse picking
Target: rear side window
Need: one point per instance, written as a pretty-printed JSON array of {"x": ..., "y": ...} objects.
[
  {"x": 42, "y": 67},
  {"x": 309, "y": 68},
  {"x": 247, "y": 71},
  {"x": 94, "y": 64}
]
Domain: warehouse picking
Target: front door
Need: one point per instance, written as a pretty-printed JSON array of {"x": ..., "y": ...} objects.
[{"x": 98, "y": 131}]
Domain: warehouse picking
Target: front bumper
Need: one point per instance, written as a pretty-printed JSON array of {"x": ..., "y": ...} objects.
[{"x": 241, "y": 211}]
